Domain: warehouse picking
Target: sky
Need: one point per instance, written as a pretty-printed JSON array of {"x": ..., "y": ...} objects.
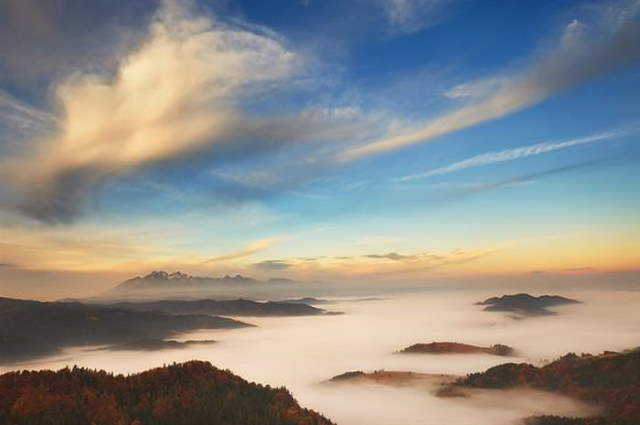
[{"x": 398, "y": 141}]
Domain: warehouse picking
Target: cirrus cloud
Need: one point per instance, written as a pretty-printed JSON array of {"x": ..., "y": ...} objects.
[
  {"x": 513, "y": 154},
  {"x": 583, "y": 53}
]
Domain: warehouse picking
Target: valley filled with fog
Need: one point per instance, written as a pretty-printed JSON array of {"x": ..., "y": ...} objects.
[{"x": 302, "y": 352}]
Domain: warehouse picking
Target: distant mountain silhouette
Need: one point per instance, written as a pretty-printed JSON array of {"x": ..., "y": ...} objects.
[
  {"x": 31, "y": 329},
  {"x": 611, "y": 380},
  {"x": 525, "y": 304},
  {"x": 193, "y": 393},
  {"x": 239, "y": 307},
  {"x": 178, "y": 280},
  {"x": 457, "y": 348},
  {"x": 305, "y": 300}
]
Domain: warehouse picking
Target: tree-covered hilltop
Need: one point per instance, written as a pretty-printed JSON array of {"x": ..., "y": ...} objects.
[
  {"x": 526, "y": 305},
  {"x": 611, "y": 380},
  {"x": 457, "y": 348},
  {"x": 192, "y": 393}
]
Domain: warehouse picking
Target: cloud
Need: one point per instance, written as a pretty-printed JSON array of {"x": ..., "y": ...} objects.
[
  {"x": 21, "y": 123},
  {"x": 474, "y": 89},
  {"x": 252, "y": 248},
  {"x": 410, "y": 16},
  {"x": 83, "y": 248},
  {"x": 399, "y": 257},
  {"x": 272, "y": 265},
  {"x": 583, "y": 53},
  {"x": 465, "y": 189},
  {"x": 391, "y": 263},
  {"x": 395, "y": 264},
  {"x": 513, "y": 154},
  {"x": 178, "y": 93},
  {"x": 192, "y": 86},
  {"x": 24, "y": 118},
  {"x": 41, "y": 40}
]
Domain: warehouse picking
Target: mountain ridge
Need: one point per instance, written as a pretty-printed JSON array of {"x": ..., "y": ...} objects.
[
  {"x": 31, "y": 329},
  {"x": 237, "y": 307}
]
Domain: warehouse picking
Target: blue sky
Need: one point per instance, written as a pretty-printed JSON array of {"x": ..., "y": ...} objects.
[{"x": 315, "y": 138}]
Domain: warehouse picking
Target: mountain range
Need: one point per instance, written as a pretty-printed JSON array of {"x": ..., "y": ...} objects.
[
  {"x": 178, "y": 285},
  {"x": 164, "y": 280}
]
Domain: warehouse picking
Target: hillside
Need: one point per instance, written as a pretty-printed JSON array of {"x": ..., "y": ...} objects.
[
  {"x": 31, "y": 329},
  {"x": 525, "y": 304},
  {"x": 457, "y": 348},
  {"x": 239, "y": 307},
  {"x": 610, "y": 379},
  {"x": 193, "y": 393}
]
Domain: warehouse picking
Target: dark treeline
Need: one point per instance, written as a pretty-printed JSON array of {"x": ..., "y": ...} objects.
[
  {"x": 239, "y": 307},
  {"x": 193, "y": 393}
]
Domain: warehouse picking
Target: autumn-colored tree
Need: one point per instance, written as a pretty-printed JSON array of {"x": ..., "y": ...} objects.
[{"x": 193, "y": 393}]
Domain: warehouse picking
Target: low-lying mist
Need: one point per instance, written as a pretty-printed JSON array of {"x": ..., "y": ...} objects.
[{"x": 301, "y": 352}]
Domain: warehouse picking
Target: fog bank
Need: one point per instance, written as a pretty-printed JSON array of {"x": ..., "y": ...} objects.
[{"x": 301, "y": 352}]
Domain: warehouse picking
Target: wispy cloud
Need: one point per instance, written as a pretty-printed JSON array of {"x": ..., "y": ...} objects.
[
  {"x": 252, "y": 248},
  {"x": 20, "y": 121},
  {"x": 513, "y": 154},
  {"x": 400, "y": 257},
  {"x": 272, "y": 265},
  {"x": 583, "y": 53},
  {"x": 409, "y": 16},
  {"x": 83, "y": 248},
  {"x": 374, "y": 265},
  {"x": 395, "y": 263},
  {"x": 458, "y": 190},
  {"x": 473, "y": 89}
]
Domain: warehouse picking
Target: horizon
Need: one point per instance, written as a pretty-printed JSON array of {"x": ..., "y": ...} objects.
[{"x": 403, "y": 143}]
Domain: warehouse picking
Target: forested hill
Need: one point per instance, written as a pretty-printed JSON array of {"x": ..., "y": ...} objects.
[
  {"x": 193, "y": 393},
  {"x": 611, "y": 380}
]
